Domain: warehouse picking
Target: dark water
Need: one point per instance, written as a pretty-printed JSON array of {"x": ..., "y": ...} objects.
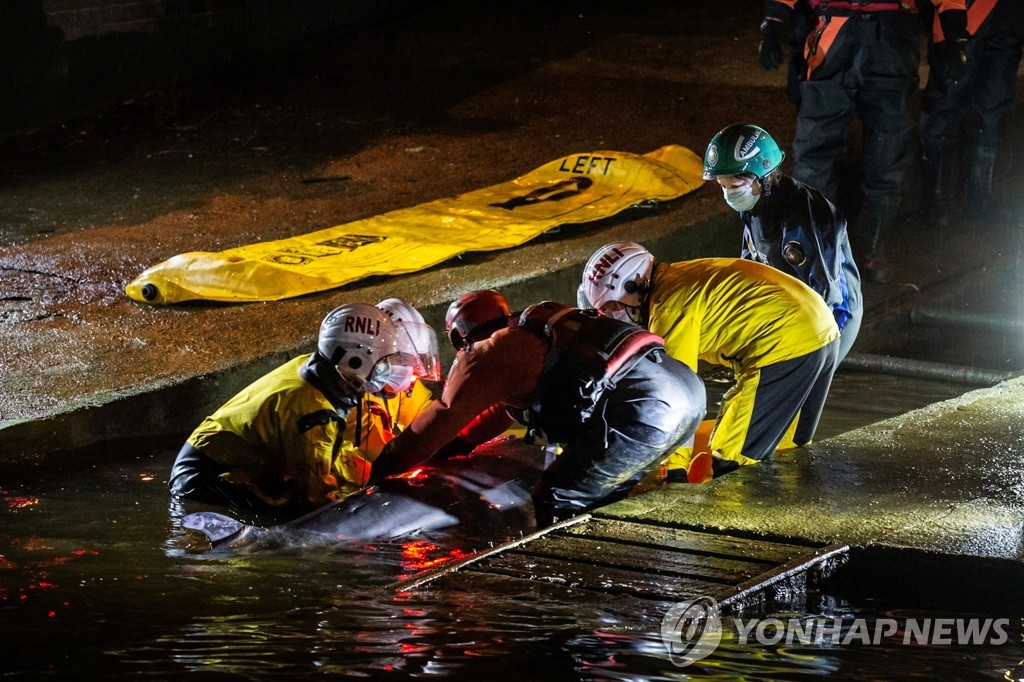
[{"x": 96, "y": 578}]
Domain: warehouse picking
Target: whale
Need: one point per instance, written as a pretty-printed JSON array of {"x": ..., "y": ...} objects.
[{"x": 486, "y": 493}]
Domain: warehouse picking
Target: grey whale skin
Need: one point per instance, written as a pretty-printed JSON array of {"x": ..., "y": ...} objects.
[{"x": 487, "y": 492}]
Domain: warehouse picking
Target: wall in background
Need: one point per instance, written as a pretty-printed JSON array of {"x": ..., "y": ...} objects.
[{"x": 65, "y": 59}]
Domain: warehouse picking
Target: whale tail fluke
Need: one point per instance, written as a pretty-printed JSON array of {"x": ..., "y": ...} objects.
[{"x": 217, "y": 527}]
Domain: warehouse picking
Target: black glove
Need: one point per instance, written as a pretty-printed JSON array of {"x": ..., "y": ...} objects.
[
  {"x": 771, "y": 44},
  {"x": 957, "y": 61},
  {"x": 954, "y": 29}
]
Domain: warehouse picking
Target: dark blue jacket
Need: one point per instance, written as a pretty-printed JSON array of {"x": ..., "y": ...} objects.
[{"x": 795, "y": 229}]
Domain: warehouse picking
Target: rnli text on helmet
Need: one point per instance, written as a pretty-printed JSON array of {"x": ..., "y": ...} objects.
[
  {"x": 362, "y": 325},
  {"x": 601, "y": 266}
]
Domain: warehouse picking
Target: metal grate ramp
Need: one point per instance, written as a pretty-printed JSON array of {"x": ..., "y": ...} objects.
[{"x": 641, "y": 560}]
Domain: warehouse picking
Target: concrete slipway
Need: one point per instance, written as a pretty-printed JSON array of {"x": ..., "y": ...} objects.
[
  {"x": 82, "y": 364},
  {"x": 946, "y": 478}
]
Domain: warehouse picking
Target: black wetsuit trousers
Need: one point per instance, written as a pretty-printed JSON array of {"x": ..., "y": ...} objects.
[{"x": 653, "y": 409}]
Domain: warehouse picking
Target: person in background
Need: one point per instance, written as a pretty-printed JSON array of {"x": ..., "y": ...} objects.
[
  {"x": 786, "y": 224},
  {"x": 774, "y": 332},
  {"x": 862, "y": 58},
  {"x": 603, "y": 389},
  {"x": 801, "y": 22},
  {"x": 279, "y": 443},
  {"x": 972, "y": 81}
]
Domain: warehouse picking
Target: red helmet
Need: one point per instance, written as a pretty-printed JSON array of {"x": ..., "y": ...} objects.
[{"x": 472, "y": 311}]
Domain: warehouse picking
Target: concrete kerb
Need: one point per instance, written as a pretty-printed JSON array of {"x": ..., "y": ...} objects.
[
  {"x": 161, "y": 408},
  {"x": 546, "y": 270}
]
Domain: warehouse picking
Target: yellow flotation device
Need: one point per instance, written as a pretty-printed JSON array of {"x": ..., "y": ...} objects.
[{"x": 574, "y": 189}]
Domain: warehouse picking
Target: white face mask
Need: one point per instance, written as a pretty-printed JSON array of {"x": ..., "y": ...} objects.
[
  {"x": 401, "y": 379},
  {"x": 379, "y": 376},
  {"x": 740, "y": 198},
  {"x": 620, "y": 312}
]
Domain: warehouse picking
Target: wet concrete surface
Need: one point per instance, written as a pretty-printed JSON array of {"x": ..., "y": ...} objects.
[
  {"x": 389, "y": 118},
  {"x": 947, "y": 478},
  {"x": 407, "y": 112}
]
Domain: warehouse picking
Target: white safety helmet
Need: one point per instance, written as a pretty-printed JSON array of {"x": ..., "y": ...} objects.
[
  {"x": 361, "y": 341},
  {"x": 417, "y": 345},
  {"x": 617, "y": 279}
]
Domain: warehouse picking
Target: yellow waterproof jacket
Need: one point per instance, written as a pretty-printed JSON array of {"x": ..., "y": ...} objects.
[
  {"x": 381, "y": 420},
  {"x": 282, "y": 429},
  {"x": 737, "y": 313}
]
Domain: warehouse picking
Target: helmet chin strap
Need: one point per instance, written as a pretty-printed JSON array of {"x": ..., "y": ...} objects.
[
  {"x": 319, "y": 371},
  {"x": 351, "y": 387},
  {"x": 644, "y": 311}
]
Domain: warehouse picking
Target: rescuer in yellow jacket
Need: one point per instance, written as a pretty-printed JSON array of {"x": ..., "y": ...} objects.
[
  {"x": 382, "y": 416},
  {"x": 282, "y": 442},
  {"x": 775, "y": 333}
]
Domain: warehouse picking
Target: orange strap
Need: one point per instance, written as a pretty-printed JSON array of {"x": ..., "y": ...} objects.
[
  {"x": 820, "y": 40},
  {"x": 866, "y": 7},
  {"x": 977, "y": 13}
]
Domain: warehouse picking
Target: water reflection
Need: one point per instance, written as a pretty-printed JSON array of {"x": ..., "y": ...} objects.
[
  {"x": 420, "y": 555},
  {"x": 96, "y": 574}
]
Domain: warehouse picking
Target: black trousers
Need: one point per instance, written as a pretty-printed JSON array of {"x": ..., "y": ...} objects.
[
  {"x": 870, "y": 70},
  {"x": 984, "y": 97},
  {"x": 650, "y": 412}
]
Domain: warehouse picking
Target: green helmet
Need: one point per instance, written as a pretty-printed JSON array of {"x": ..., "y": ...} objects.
[{"x": 741, "y": 148}]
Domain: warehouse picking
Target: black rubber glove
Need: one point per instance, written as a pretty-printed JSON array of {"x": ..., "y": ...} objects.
[
  {"x": 771, "y": 44},
  {"x": 954, "y": 29},
  {"x": 957, "y": 61}
]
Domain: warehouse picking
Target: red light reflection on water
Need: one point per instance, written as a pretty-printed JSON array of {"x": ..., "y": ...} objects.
[
  {"x": 411, "y": 475},
  {"x": 22, "y": 592},
  {"x": 419, "y": 555},
  {"x": 613, "y": 642},
  {"x": 33, "y": 573},
  {"x": 18, "y": 501}
]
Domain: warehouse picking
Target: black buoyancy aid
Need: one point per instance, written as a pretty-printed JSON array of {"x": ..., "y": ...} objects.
[{"x": 588, "y": 354}]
